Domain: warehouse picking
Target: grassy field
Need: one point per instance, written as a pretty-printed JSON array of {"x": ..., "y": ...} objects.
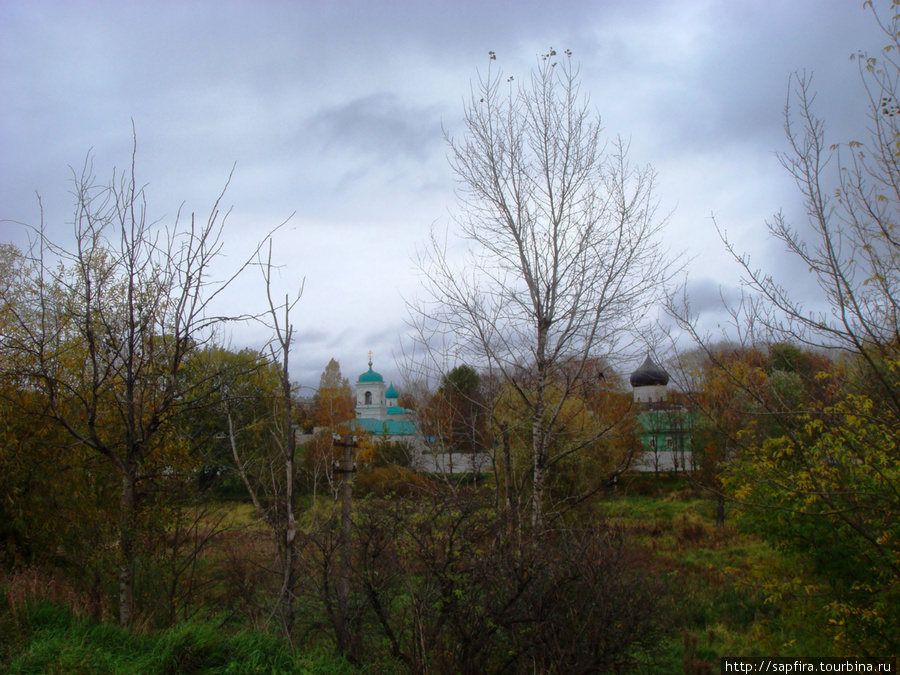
[
  {"x": 722, "y": 578},
  {"x": 718, "y": 578}
]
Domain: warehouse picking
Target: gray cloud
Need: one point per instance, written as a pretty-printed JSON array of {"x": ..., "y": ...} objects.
[
  {"x": 707, "y": 296},
  {"x": 334, "y": 110},
  {"x": 378, "y": 126}
]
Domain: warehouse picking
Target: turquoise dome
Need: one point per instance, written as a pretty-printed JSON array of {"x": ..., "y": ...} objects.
[
  {"x": 391, "y": 392},
  {"x": 370, "y": 376}
]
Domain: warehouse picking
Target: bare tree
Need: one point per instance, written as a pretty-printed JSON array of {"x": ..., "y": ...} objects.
[
  {"x": 849, "y": 243},
  {"x": 829, "y": 457},
  {"x": 107, "y": 327},
  {"x": 271, "y": 478},
  {"x": 561, "y": 256}
]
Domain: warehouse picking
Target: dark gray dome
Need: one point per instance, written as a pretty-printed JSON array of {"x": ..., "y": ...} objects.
[{"x": 649, "y": 375}]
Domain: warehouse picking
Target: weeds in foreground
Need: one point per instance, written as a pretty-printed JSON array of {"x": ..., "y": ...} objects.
[
  {"x": 39, "y": 637},
  {"x": 49, "y": 624}
]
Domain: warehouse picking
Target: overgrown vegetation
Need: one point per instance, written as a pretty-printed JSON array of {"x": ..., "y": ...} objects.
[
  {"x": 41, "y": 636},
  {"x": 440, "y": 584}
]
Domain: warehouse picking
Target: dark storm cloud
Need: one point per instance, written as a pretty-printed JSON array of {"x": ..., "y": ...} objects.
[{"x": 379, "y": 126}]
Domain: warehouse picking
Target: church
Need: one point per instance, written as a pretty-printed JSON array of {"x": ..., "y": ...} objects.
[
  {"x": 665, "y": 436},
  {"x": 666, "y": 424},
  {"x": 378, "y": 412}
]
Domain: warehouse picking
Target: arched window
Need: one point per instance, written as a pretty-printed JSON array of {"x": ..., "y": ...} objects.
[{"x": 368, "y": 398}]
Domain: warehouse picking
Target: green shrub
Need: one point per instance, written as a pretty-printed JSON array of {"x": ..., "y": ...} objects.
[
  {"x": 50, "y": 639},
  {"x": 389, "y": 480}
]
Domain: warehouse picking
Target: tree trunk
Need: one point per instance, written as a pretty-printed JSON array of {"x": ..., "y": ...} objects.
[
  {"x": 540, "y": 458},
  {"x": 288, "y": 612},
  {"x": 507, "y": 461},
  {"x": 343, "y": 628},
  {"x": 720, "y": 511},
  {"x": 127, "y": 536},
  {"x": 289, "y": 448},
  {"x": 537, "y": 492}
]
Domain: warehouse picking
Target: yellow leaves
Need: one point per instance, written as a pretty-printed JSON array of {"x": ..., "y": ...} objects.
[
  {"x": 813, "y": 426},
  {"x": 365, "y": 451},
  {"x": 777, "y": 448},
  {"x": 743, "y": 493}
]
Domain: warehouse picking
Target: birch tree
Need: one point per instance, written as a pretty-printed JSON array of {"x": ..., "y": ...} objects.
[
  {"x": 561, "y": 257},
  {"x": 269, "y": 472}
]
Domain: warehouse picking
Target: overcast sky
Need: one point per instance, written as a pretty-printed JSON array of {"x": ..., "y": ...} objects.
[{"x": 334, "y": 111}]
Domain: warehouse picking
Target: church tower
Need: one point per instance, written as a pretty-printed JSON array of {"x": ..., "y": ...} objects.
[
  {"x": 649, "y": 382},
  {"x": 371, "y": 401}
]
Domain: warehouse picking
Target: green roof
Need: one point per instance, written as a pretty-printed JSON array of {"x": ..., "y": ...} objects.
[
  {"x": 391, "y": 392},
  {"x": 397, "y": 410},
  {"x": 389, "y": 428},
  {"x": 371, "y": 376}
]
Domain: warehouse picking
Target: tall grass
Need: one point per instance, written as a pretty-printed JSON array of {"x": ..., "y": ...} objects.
[
  {"x": 721, "y": 577},
  {"x": 40, "y": 637}
]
